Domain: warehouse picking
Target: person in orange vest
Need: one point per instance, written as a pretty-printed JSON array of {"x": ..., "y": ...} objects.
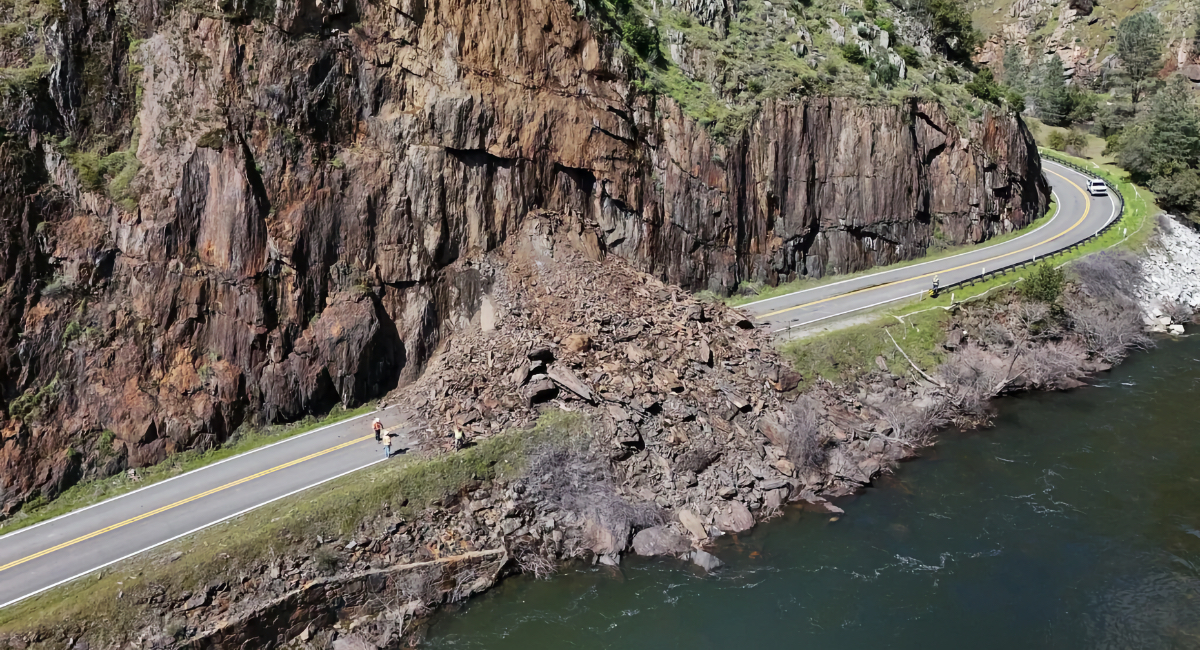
[{"x": 377, "y": 426}]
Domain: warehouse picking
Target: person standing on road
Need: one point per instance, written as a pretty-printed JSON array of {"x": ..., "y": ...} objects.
[
  {"x": 377, "y": 426},
  {"x": 386, "y": 439}
]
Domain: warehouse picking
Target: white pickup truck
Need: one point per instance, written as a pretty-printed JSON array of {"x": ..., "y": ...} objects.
[{"x": 1096, "y": 187}]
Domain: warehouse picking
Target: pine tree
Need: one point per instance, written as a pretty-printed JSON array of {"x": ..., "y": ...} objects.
[
  {"x": 1016, "y": 73},
  {"x": 1140, "y": 48},
  {"x": 1053, "y": 100},
  {"x": 1196, "y": 35}
]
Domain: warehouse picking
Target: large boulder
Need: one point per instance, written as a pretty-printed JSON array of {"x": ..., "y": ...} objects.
[
  {"x": 659, "y": 540},
  {"x": 735, "y": 518}
]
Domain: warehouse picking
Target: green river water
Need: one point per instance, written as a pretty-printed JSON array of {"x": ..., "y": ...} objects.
[{"x": 1073, "y": 523}]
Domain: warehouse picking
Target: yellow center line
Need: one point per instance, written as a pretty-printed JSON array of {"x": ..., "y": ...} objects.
[
  {"x": 180, "y": 503},
  {"x": 1087, "y": 206}
]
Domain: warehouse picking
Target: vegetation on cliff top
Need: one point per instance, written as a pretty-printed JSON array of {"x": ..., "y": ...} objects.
[{"x": 722, "y": 74}]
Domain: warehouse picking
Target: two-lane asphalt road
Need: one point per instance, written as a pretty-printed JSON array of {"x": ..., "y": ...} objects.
[
  {"x": 39, "y": 557},
  {"x": 48, "y": 554},
  {"x": 1079, "y": 216}
]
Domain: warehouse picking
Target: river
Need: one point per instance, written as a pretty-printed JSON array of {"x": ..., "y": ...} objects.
[{"x": 1074, "y": 522}]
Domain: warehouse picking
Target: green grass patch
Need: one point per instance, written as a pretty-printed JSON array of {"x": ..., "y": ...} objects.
[
  {"x": 844, "y": 354},
  {"x": 1093, "y": 150},
  {"x": 92, "y": 492},
  {"x": 841, "y": 354},
  {"x": 334, "y": 511},
  {"x": 800, "y": 284}
]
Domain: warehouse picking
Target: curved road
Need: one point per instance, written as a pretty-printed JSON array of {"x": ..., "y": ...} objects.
[
  {"x": 1079, "y": 216},
  {"x": 40, "y": 557}
]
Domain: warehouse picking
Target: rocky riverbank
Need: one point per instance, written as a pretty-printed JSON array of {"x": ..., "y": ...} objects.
[{"x": 1170, "y": 295}]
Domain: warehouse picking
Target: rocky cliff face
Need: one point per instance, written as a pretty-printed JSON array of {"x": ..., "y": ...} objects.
[{"x": 214, "y": 214}]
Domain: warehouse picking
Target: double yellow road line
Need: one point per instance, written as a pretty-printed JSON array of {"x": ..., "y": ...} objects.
[
  {"x": 1087, "y": 206},
  {"x": 134, "y": 520}
]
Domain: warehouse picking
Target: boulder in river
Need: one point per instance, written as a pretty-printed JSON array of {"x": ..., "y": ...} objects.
[{"x": 659, "y": 540}]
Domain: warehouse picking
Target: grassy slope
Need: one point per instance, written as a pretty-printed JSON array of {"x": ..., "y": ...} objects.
[
  {"x": 92, "y": 492},
  {"x": 918, "y": 325},
  {"x": 334, "y": 510}
]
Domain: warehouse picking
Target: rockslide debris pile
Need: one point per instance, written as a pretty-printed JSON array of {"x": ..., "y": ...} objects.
[{"x": 690, "y": 404}]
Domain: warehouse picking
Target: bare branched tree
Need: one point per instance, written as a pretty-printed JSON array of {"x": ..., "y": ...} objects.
[
  {"x": 1178, "y": 312},
  {"x": 1110, "y": 277},
  {"x": 1052, "y": 362},
  {"x": 579, "y": 481},
  {"x": 913, "y": 425},
  {"x": 805, "y": 445},
  {"x": 974, "y": 376},
  {"x": 1109, "y": 331}
]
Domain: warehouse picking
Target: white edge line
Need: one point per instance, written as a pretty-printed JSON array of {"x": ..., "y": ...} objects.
[
  {"x": 848, "y": 311},
  {"x": 198, "y": 469},
  {"x": 941, "y": 259},
  {"x": 190, "y": 532}
]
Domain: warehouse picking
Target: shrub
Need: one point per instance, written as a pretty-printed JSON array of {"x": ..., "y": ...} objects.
[
  {"x": 852, "y": 54},
  {"x": 579, "y": 481},
  {"x": 1045, "y": 284},
  {"x": 912, "y": 58},
  {"x": 640, "y": 37},
  {"x": 1056, "y": 140},
  {"x": 57, "y": 286},
  {"x": 984, "y": 86},
  {"x": 886, "y": 73},
  {"x": 1016, "y": 100},
  {"x": 32, "y": 403},
  {"x": 952, "y": 28},
  {"x": 805, "y": 446},
  {"x": 1074, "y": 142},
  {"x": 72, "y": 331}
]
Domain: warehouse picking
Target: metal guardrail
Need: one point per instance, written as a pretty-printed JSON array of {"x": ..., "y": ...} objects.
[{"x": 1037, "y": 259}]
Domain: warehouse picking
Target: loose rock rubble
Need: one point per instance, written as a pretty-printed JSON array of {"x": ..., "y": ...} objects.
[
  {"x": 689, "y": 402},
  {"x": 1171, "y": 291}
]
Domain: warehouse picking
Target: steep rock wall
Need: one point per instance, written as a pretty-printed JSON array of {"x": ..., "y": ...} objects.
[{"x": 313, "y": 181}]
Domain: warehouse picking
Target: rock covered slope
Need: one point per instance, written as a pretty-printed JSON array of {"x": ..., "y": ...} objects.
[
  {"x": 1170, "y": 295},
  {"x": 1081, "y": 32},
  {"x": 246, "y": 211}
]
